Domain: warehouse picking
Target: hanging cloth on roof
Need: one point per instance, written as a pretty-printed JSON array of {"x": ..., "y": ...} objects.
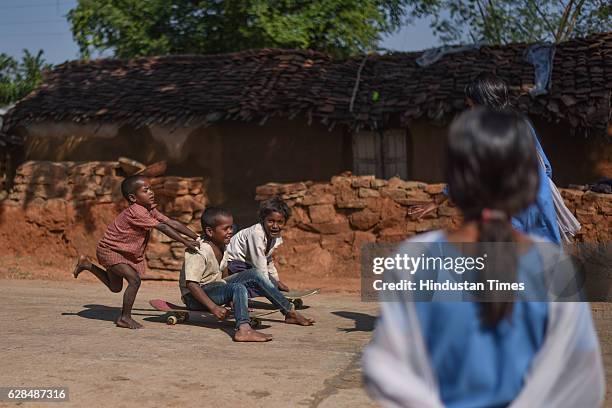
[
  {"x": 430, "y": 56},
  {"x": 541, "y": 56}
]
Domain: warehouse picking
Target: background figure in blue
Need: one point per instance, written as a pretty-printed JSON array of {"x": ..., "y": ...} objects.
[{"x": 540, "y": 218}]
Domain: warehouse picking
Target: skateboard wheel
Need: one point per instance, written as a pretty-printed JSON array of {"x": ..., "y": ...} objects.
[
  {"x": 172, "y": 320},
  {"x": 298, "y": 303},
  {"x": 255, "y": 323}
]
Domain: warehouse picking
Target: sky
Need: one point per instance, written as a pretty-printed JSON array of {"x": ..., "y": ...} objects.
[{"x": 42, "y": 24}]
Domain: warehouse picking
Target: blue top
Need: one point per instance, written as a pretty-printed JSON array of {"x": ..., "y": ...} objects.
[
  {"x": 540, "y": 218},
  {"x": 477, "y": 366}
]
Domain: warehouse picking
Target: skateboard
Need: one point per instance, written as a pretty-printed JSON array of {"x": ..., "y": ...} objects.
[
  {"x": 295, "y": 296},
  {"x": 180, "y": 314}
]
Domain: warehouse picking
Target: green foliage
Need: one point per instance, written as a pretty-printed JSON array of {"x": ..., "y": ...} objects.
[
  {"x": 507, "y": 21},
  {"x": 131, "y": 28},
  {"x": 17, "y": 79}
]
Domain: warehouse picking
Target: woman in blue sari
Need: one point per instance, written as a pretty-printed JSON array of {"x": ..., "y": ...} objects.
[
  {"x": 540, "y": 218},
  {"x": 485, "y": 351}
]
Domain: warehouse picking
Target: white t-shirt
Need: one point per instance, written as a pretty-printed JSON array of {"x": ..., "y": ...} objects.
[{"x": 249, "y": 245}]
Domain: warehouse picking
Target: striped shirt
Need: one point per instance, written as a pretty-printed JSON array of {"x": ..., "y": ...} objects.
[{"x": 126, "y": 238}]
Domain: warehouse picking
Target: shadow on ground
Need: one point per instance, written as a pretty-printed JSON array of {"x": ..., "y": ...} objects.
[
  {"x": 110, "y": 314},
  {"x": 258, "y": 304},
  {"x": 106, "y": 313},
  {"x": 363, "y": 322},
  {"x": 226, "y": 326}
]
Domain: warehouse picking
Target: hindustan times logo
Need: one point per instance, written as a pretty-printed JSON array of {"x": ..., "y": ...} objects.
[{"x": 411, "y": 264}]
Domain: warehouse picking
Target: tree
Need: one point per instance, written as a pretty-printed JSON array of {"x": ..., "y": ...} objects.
[
  {"x": 17, "y": 79},
  {"x": 131, "y": 28},
  {"x": 506, "y": 21}
]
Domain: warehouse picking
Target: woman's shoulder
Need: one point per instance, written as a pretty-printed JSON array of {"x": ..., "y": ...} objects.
[
  {"x": 421, "y": 242},
  {"x": 431, "y": 236}
]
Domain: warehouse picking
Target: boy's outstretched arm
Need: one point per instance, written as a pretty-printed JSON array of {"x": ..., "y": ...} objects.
[
  {"x": 196, "y": 291},
  {"x": 172, "y": 233},
  {"x": 181, "y": 228}
]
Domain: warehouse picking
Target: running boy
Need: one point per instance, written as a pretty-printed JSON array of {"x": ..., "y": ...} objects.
[
  {"x": 203, "y": 287},
  {"x": 121, "y": 250},
  {"x": 253, "y": 247}
]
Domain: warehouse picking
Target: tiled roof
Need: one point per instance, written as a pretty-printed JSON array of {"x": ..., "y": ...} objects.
[{"x": 182, "y": 90}]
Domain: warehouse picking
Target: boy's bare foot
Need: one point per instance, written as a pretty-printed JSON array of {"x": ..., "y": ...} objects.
[
  {"x": 294, "y": 317},
  {"x": 128, "y": 323},
  {"x": 82, "y": 263},
  {"x": 247, "y": 334}
]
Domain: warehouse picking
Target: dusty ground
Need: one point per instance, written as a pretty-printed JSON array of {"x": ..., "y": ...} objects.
[
  {"x": 60, "y": 333},
  {"x": 58, "y": 267}
]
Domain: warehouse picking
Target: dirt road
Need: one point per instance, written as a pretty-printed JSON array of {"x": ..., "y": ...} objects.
[{"x": 61, "y": 334}]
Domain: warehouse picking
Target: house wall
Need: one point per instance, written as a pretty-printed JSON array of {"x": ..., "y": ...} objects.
[
  {"x": 575, "y": 159},
  {"x": 233, "y": 157},
  {"x": 237, "y": 157},
  {"x": 427, "y": 142}
]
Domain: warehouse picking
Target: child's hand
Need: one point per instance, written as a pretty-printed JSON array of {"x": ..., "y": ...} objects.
[
  {"x": 420, "y": 210},
  {"x": 192, "y": 245},
  {"x": 220, "y": 312},
  {"x": 282, "y": 287}
]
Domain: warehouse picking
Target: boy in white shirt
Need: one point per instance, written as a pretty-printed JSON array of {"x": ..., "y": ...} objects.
[{"x": 252, "y": 248}]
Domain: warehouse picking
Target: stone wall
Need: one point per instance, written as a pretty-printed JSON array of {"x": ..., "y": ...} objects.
[
  {"x": 331, "y": 221},
  {"x": 76, "y": 201},
  {"x": 594, "y": 211}
]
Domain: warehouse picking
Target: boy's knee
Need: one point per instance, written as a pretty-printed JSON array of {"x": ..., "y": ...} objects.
[
  {"x": 241, "y": 290},
  {"x": 240, "y": 294},
  {"x": 256, "y": 274},
  {"x": 134, "y": 281},
  {"x": 260, "y": 279},
  {"x": 116, "y": 288}
]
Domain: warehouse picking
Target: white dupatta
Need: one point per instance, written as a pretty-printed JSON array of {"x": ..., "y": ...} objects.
[{"x": 568, "y": 223}]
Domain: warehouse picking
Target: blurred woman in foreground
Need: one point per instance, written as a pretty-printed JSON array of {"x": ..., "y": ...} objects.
[{"x": 486, "y": 354}]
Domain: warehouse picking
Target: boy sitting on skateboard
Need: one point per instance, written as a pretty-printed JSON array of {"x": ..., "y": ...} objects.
[
  {"x": 203, "y": 287},
  {"x": 253, "y": 247},
  {"x": 121, "y": 250}
]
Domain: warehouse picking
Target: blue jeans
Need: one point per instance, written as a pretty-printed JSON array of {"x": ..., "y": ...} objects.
[
  {"x": 235, "y": 267},
  {"x": 235, "y": 289}
]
